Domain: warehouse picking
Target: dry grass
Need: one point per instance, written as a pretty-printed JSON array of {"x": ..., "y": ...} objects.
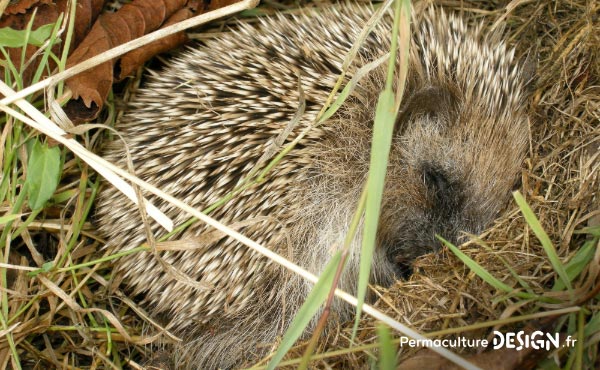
[{"x": 66, "y": 316}]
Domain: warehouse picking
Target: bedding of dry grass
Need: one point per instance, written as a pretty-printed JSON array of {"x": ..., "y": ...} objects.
[{"x": 69, "y": 315}]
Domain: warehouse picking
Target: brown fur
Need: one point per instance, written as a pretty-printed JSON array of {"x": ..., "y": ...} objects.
[{"x": 203, "y": 122}]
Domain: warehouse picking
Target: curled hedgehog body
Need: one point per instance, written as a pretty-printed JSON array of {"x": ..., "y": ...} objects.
[{"x": 201, "y": 124}]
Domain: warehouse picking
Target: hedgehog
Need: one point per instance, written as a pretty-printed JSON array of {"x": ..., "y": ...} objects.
[{"x": 202, "y": 122}]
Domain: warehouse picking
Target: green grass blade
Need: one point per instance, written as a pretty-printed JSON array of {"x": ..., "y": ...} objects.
[
  {"x": 592, "y": 230},
  {"x": 539, "y": 232},
  {"x": 341, "y": 98},
  {"x": 382, "y": 138},
  {"x": 48, "y": 51},
  {"x": 481, "y": 272},
  {"x": 309, "y": 309},
  {"x": 67, "y": 45},
  {"x": 387, "y": 350},
  {"x": 16, "y": 208},
  {"x": 9, "y": 66},
  {"x": 27, "y": 33},
  {"x": 383, "y": 127},
  {"x": 593, "y": 325},
  {"x": 507, "y": 265},
  {"x": 580, "y": 260},
  {"x": 8, "y": 218},
  {"x": 25, "y": 224}
]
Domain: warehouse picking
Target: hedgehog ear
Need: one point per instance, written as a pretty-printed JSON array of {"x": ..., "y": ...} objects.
[{"x": 436, "y": 102}]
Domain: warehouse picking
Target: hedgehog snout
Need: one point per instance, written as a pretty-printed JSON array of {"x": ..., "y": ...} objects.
[
  {"x": 434, "y": 206},
  {"x": 420, "y": 239}
]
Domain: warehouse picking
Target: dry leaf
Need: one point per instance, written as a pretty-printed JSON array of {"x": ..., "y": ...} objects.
[
  {"x": 134, "y": 59},
  {"x": 90, "y": 88},
  {"x": 18, "y": 15},
  {"x": 22, "y": 6}
]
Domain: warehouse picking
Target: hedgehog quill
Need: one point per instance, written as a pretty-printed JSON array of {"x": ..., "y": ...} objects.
[{"x": 200, "y": 124}]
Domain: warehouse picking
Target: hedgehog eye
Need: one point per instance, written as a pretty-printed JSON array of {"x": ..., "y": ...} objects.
[
  {"x": 444, "y": 192},
  {"x": 436, "y": 181}
]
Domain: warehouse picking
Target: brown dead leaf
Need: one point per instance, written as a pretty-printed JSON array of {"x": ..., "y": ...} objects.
[
  {"x": 22, "y": 6},
  {"x": 134, "y": 59},
  {"x": 90, "y": 88},
  {"x": 18, "y": 15},
  {"x": 133, "y": 20}
]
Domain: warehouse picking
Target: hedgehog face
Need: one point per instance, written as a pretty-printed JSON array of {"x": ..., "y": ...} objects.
[
  {"x": 451, "y": 171},
  {"x": 460, "y": 139},
  {"x": 430, "y": 199},
  {"x": 451, "y": 167}
]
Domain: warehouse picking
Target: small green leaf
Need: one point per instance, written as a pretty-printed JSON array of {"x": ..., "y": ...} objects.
[
  {"x": 46, "y": 267},
  {"x": 308, "y": 310},
  {"x": 43, "y": 174},
  {"x": 387, "y": 350},
  {"x": 18, "y": 38}
]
